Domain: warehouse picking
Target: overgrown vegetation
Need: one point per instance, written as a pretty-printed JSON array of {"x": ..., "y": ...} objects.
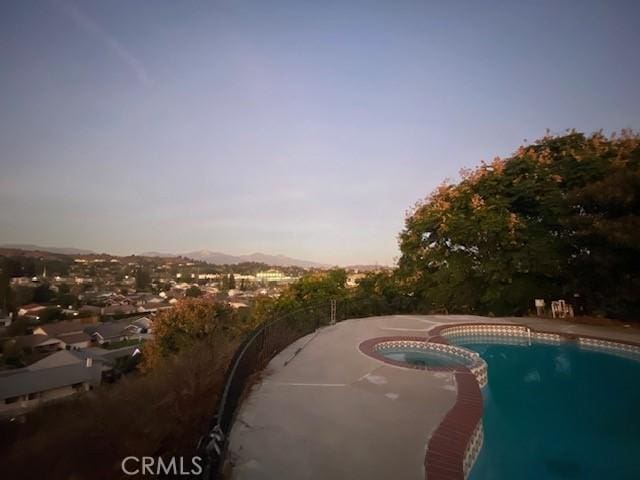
[
  {"x": 165, "y": 408},
  {"x": 161, "y": 411},
  {"x": 190, "y": 322}
]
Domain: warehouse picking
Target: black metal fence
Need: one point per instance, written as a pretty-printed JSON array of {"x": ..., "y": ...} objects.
[{"x": 260, "y": 346}]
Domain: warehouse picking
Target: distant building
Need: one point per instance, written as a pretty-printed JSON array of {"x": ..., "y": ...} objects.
[
  {"x": 208, "y": 276},
  {"x": 21, "y": 281},
  {"x": 353, "y": 278},
  {"x": 273, "y": 276}
]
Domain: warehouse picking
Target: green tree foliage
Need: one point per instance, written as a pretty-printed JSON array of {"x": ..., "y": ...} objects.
[
  {"x": 193, "y": 292},
  {"x": 381, "y": 293},
  {"x": 51, "y": 314},
  {"x": 559, "y": 218},
  {"x": 68, "y": 300},
  {"x": 315, "y": 288},
  {"x": 12, "y": 354},
  {"x": 43, "y": 293},
  {"x": 11, "y": 266},
  {"x": 143, "y": 279},
  {"x": 305, "y": 303},
  {"x": 192, "y": 321},
  {"x": 23, "y": 295},
  {"x": 6, "y": 295},
  {"x": 228, "y": 282},
  {"x": 20, "y": 326}
]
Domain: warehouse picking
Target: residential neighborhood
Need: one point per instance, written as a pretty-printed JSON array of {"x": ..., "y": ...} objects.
[
  {"x": 69, "y": 323},
  {"x": 68, "y": 357}
]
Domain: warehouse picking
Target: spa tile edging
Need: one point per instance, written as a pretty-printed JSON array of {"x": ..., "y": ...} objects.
[
  {"x": 455, "y": 445},
  {"x": 376, "y": 346}
]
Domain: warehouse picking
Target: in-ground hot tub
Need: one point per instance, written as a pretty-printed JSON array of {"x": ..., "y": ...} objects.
[
  {"x": 420, "y": 353},
  {"x": 424, "y": 357}
]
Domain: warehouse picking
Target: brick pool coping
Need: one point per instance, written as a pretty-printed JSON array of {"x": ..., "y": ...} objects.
[{"x": 455, "y": 444}]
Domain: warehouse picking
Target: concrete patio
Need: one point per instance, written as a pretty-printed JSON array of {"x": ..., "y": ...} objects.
[{"x": 332, "y": 412}]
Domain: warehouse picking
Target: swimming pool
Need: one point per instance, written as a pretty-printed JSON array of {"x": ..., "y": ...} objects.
[{"x": 558, "y": 412}]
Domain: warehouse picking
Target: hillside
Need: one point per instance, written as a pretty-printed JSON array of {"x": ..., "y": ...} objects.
[
  {"x": 39, "y": 248},
  {"x": 218, "y": 258}
]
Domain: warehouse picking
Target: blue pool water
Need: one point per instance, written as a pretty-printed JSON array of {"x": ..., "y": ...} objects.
[
  {"x": 423, "y": 357},
  {"x": 558, "y": 412}
]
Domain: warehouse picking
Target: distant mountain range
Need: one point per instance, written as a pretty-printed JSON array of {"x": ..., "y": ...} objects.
[
  {"x": 216, "y": 258},
  {"x": 38, "y": 248},
  {"x": 219, "y": 258},
  {"x": 209, "y": 256}
]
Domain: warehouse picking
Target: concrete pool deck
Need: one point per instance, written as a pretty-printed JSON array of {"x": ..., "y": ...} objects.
[{"x": 333, "y": 412}]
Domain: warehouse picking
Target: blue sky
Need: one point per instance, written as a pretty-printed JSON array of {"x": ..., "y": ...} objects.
[{"x": 306, "y": 128}]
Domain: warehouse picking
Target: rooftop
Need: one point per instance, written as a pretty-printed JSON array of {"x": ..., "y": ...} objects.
[
  {"x": 26, "y": 381},
  {"x": 63, "y": 327},
  {"x": 30, "y": 341}
]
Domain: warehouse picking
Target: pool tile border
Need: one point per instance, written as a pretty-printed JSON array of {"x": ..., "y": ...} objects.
[
  {"x": 455, "y": 444},
  {"x": 519, "y": 333},
  {"x": 375, "y": 346}
]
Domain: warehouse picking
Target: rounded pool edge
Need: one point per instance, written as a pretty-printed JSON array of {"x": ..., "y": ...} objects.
[{"x": 455, "y": 444}]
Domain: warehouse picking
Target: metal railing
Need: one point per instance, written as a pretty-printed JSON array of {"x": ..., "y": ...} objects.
[{"x": 260, "y": 346}]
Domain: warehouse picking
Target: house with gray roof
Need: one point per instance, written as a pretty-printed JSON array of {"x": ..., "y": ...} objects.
[
  {"x": 56, "y": 329},
  {"x": 23, "y": 389},
  {"x": 110, "y": 332},
  {"x": 142, "y": 324},
  {"x": 71, "y": 334},
  {"x": 36, "y": 343},
  {"x": 68, "y": 357}
]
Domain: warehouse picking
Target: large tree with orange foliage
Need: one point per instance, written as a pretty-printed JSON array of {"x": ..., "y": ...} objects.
[{"x": 559, "y": 218}]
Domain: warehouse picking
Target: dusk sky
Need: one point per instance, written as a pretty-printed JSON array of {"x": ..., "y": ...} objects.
[{"x": 305, "y": 128}]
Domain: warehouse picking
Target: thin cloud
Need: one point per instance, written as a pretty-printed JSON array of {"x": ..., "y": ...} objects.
[{"x": 88, "y": 25}]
